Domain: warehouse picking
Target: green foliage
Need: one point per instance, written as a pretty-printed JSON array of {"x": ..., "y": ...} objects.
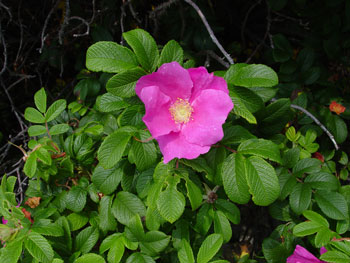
[{"x": 107, "y": 196}]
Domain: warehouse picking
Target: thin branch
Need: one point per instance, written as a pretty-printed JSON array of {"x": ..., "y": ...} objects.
[
  {"x": 210, "y": 31},
  {"x": 251, "y": 8},
  {"x": 5, "y": 51},
  {"x": 318, "y": 123},
  {"x": 122, "y": 15},
  {"x": 65, "y": 22},
  {"x": 161, "y": 8},
  {"x": 84, "y": 22},
  {"x": 267, "y": 34},
  {"x": 43, "y": 37},
  {"x": 213, "y": 55},
  {"x": 133, "y": 13},
  {"x": 7, "y": 10}
]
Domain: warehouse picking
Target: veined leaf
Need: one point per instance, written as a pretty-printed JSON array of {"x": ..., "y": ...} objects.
[
  {"x": 172, "y": 51},
  {"x": 39, "y": 247},
  {"x": 109, "y": 57},
  {"x": 209, "y": 248},
  {"x": 40, "y": 100},
  {"x": 260, "y": 147},
  {"x": 55, "y": 110}
]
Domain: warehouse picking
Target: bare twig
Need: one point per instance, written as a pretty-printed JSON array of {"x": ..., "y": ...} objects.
[
  {"x": 5, "y": 51},
  {"x": 318, "y": 123},
  {"x": 83, "y": 22},
  {"x": 65, "y": 22},
  {"x": 213, "y": 55},
  {"x": 7, "y": 10},
  {"x": 267, "y": 34},
  {"x": 251, "y": 8},
  {"x": 43, "y": 37},
  {"x": 22, "y": 77},
  {"x": 133, "y": 13},
  {"x": 122, "y": 15},
  {"x": 161, "y": 8},
  {"x": 210, "y": 31}
]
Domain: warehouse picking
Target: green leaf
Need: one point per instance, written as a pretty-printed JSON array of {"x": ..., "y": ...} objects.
[
  {"x": 109, "y": 57},
  {"x": 76, "y": 199},
  {"x": 322, "y": 180},
  {"x": 107, "y": 221},
  {"x": 300, "y": 198},
  {"x": 291, "y": 157},
  {"x": 36, "y": 130},
  {"x": 335, "y": 257},
  {"x": 30, "y": 165},
  {"x": 185, "y": 253},
  {"x": 172, "y": 51},
  {"x": 11, "y": 252},
  {"x": 250, "y": 99},
  {"x": 112, "y": 148},
  {"x": 194, "y": 193},
  {"x": 55, "y": 110},
  {"x": 108, "y": 242},
  {"x": 116, "y": 251},
  {"x": 262, "y": 181},
  {"x": 323, "y": 237},
  {"x": 236, "y": 134},
  {"x": 255, "y": 75},
  {"x": 39, "y": 247},
  {"x": 86, "y": 239},
  {"x": 234, "y": 179},
  {"x": 143, "y": 154},
  {"x": 77, "y": 220},
  {"x": 222, "y": 226},
  {"x": 52, "y": 229},
  {"x": 260, "y": 147},
  {"x": 135, "y": 231},
  {"x": 132, "y": 116},
  {"x": 43, "y": 155},
  {"x": 90, "y": 258},
  {"x": 306, "y": 228},
  {"x": 109, "y": 102},
  {"x": 123, "y": 84},
  {"x": 240, "y": 109},
  {"x": 107, "y": 180},
  {"x": 337, "y": 127},
  {"x": 274, "y": 117},
  {"x": 33, "y": 115},
  {"x": 204, "y": 219},
  {"x": 40, "y": 100},
  {"x": 154, "y": 242},
  {"x": 332, "y": 204},
  {"x": 307, "y": 165},
  {"x": 126, "y": 205},
  {"x": 316, "y": 217},
  {"x": 209, "y": 248},
  {"x": 229, "y": 209},
  {"x": 139, "y": 258},
  {"x": 171, "y": 203},
  {"x": 144, "y": 47},
  {"x": 59, "y": 129}
]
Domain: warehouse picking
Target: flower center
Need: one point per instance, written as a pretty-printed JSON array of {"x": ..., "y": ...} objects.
[{"x": 181, "y": 111}]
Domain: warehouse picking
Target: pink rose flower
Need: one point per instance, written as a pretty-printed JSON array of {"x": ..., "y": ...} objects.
[
  {"x": 301, "y": 255},
  {"x": 185, "y": 109}
]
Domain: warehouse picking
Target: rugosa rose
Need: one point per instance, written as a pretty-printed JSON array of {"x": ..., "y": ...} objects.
[
  {"x": 336, "y": 107},
  {"x": 301, "y": 255},
  {"x": 185, "y": 109}
]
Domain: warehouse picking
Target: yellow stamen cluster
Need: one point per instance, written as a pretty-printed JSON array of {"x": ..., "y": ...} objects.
[{"x": 181, "y": 111}]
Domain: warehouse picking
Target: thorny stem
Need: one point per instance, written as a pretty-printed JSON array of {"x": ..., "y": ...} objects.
[
  {"x": 341, "y": 239},
  {"x": 210, "y": 31}
]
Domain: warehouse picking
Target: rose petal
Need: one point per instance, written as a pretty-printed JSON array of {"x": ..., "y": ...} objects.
[
  {"x": 302, "y": 255},
  {"x": 174, "y": 145},
  {"x": 210, "y": 110},
  {"x": 172, "y": 79},
  {"x": 157, "y": 118},
  {"x": 203, "y": 80},
  {"x": 323, "y": 250}
]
